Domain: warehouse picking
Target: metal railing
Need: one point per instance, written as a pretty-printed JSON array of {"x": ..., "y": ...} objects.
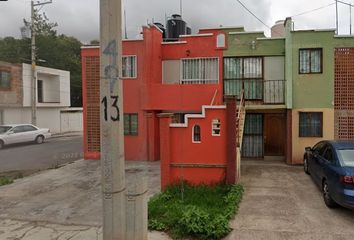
[{"x": 266, "y": 91}]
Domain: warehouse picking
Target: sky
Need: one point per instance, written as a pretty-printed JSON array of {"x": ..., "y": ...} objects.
[{"x": 80, "y": 18}]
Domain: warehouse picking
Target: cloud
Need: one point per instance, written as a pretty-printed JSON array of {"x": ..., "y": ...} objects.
[{"x": 80, "y": 18}]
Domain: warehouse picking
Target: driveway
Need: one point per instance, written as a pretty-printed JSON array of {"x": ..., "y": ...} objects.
[{"x": 282, "y": 202}]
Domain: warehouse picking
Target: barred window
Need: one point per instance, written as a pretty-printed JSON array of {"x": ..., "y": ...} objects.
[
  {"x": 5, "y": 80},
  {"x": 131, "y": 124},
  {"x": 196, "y": 134},
  {"x": 310, "y": 124},
  {"x": 129, "y": 67},
  {"x": 244, "y": 72},
  {"x": 310, "y": 60},
  {"x": 200, "y": 71},
  {"x": 215, "y": 127}
]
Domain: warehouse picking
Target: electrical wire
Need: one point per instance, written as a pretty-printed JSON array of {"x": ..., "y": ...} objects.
[
  {"x": 254, "y": 15},
  {"x": 313, "y": 10}
]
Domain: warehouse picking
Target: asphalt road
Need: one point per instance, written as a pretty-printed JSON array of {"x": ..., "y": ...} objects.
[{"x": 29, "y": 158}]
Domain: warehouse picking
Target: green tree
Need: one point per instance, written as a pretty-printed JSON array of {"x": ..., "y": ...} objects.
[{"x": 58, "y": 51}]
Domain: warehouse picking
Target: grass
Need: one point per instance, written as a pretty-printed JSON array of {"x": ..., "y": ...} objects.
[
  {"x": 195, "y": 212},
  {"x": 5, "y": 180}
]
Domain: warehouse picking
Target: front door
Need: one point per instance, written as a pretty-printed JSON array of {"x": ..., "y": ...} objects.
[
  {"x": 274, "y": 134},
  {"x": 252, "y": 145}
]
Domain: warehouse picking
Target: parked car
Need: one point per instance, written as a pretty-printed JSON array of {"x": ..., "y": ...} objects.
[
  {"x": 19, "y": 133},
  {"x": 331, "y": 166}
]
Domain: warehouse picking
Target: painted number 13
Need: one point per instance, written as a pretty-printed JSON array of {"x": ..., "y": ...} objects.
[{"x": 114, "y": 105}]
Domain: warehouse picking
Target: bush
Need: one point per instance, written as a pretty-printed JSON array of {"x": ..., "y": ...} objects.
[
  {"x": 5, "y": 181},
  {"x": 199, "y": 212}
]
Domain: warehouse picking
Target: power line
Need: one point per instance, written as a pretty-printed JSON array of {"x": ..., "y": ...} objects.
[
  {"x": 254, "y": 15},
  {"x": 313, "y": 10}
]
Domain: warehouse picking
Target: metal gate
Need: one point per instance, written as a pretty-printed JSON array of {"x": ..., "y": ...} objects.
[{"x": 252, "y": 146}]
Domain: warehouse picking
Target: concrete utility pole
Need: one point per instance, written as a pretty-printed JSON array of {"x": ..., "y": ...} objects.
[
  {"x": 337, "y": 17},
  {"x": 112, "y": 139},
  {"x": 33, "y": 60}
]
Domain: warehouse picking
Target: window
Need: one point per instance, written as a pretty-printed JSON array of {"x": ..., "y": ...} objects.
[
  {"x": 131, "y": 124},
  {"x": 246, "y": 72},
  {"x": 310, "y": 61},
  {"x": 215, "y": 127},
  {"x": 200, "y": 71},
  {"x": 310, "y": 124},
  {"x": 129, "y": 67},
  {"x": 196, "y": 134},
  {"x": 40, "y": 91},
  {"x": 5, "y": 80},
  {"x": 220, "y": 41},
  {"x": 29, "y": 128},
  {"x": 328, "y": 155}
]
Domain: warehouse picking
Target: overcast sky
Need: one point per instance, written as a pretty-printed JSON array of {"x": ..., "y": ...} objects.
[{"x": 80, "y": 18}]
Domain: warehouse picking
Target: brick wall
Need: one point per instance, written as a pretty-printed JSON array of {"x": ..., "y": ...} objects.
[
  {"x": 344, "y": 93},
  {"x": 13, "y": 96}
]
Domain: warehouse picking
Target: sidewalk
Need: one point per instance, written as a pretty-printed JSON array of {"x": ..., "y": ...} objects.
[{"x": 63, "y": 203}]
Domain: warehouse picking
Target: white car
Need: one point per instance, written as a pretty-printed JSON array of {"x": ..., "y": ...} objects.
[{"x": 20, "y": 133}]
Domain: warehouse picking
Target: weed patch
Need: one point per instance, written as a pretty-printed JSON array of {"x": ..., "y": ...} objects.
[
  {"x": 195, "y": 212},
  {"x": 5, "y": 180}
]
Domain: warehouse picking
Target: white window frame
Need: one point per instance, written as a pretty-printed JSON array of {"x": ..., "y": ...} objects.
[
  {"x": 216, "y": 125},
  {"x": 135, "y": 67},
  {"x": 221, "y": 40},
  {"x": 199, "y": 80},
  {"x": 200, "y": 129}
]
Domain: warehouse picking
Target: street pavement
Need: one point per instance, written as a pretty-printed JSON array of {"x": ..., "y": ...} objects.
[
  {"x": 28, "y": 158},
  {"x": 64, "y": 203},
  {"x": 280, "y": 202}
]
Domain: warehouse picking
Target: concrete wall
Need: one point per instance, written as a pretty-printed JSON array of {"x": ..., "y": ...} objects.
[
  {"x": 71, "y": 120},
  {"x": 52, "y": 89},
  {"x": 299, "y": 143},
  {"x": 46, "y": 117}
]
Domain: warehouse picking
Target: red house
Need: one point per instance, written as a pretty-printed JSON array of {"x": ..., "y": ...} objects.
[{"x": 173, "y": 105}]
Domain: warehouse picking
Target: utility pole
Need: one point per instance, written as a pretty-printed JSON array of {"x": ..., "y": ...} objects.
[
  {"x": 33, "y": 60},
  {"x": 337, "y": 17},
  {"x": 180, "y": 7},
  {"x": 111, "y": 121},
  {"x": 350, "y": 18}
]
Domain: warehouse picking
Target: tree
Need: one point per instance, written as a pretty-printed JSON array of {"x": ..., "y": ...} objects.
[{"x": 58, "y": 51}]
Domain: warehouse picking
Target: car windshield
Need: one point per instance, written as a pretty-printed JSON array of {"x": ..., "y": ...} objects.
[
  {"x": 347, "y": 157},
  {"x": 4, "y": 129}
]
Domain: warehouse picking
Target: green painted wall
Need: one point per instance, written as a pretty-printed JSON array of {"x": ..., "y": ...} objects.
[
  {"x": 241, "y": 45},
  {"x": 313, "y": 90}
]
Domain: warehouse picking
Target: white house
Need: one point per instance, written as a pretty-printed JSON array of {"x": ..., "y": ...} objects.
[{"x": 53, "y": 95}]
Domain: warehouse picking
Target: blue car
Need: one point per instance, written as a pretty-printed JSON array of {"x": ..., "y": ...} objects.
[{"x": 331, "y": 166}]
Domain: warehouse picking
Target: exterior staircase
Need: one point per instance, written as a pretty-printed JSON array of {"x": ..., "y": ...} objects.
[{"x": 240, "y": 124}]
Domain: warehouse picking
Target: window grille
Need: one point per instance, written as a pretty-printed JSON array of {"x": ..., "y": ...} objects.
[
  {"x": 129, "y": 67},
  {"x": 310, "y": 124},
  {"x": 200, "y": 71},
  {"x": 310, "y": 61}
]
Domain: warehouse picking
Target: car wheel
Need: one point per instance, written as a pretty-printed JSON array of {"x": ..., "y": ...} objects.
[
  {"x": 2, "y": 144},
  {"x": 327, "y": 196},
  {"x": 306, "y": 166},
  {"x": 39, "y": 139}
]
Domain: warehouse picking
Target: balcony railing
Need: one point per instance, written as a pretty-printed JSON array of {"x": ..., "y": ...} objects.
[{"x": 266, "y": 91}]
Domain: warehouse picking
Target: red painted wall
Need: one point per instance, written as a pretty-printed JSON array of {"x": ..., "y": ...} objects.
[
  {"x": 147, "y": 96},
  {"x": 211, "y": 151}
]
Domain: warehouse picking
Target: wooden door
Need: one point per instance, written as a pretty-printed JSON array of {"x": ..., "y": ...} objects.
[{"x": 274, "y": 134}]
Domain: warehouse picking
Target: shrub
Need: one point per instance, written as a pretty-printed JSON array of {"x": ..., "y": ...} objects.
[{"x": 199, "y": 212}]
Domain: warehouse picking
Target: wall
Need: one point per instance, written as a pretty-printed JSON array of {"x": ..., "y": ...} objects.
[
  {"x": 313, "y": 90},
  {"x": 299, "y": 143},
  {"x": 254, "y": 44},
  {"x": 47, "y": 74},
  {"x": 12, "y": 96},
  {"x": 71, "y": 120},
  {"x": 46, "y": 117},
  {"x": 197, "y": 163}
]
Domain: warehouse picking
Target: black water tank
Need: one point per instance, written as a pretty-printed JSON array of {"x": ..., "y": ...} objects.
[
  {"x": 162, "y": 28},
  {"x": 176, "y": 27}
]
